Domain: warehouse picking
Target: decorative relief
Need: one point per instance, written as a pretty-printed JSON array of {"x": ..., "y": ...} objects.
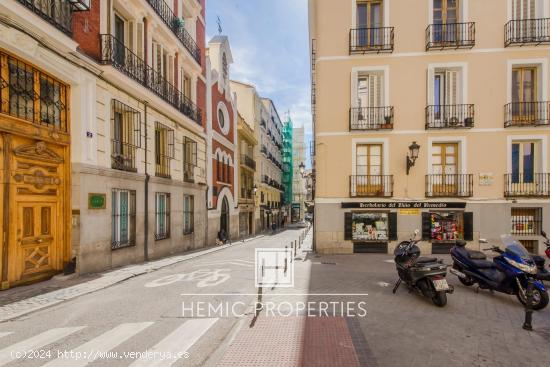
[
  {"x": 38, "y": 179},
  {"x": 38, "y": 151}
]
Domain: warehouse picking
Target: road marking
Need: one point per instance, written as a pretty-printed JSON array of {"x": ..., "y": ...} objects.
[
  {"x": 238, "y": 262},
  {"x": 179, "y": 341},
  {"x": 5, "y": 333},
  {"x": 100, "y": 345},
  {"x": 36, "y": 342}
]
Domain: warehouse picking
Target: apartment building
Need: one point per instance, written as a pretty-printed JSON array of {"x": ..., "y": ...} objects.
[
  {"x": 298, "y": 181},
  {"x": 430, "y": 115},
  {"x": 247, "y": 143},
  {"x": 287, "y": 163},
  {"x": 271, "y": 166}
]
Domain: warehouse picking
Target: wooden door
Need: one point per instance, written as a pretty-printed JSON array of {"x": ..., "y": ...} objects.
[
  {"x": 445, "y": 19},
  {"x": 445, "y": 168},
  {"x": 369, "y": 170},
  {"x": 524, "y": 94},
  {"x": 369, "y": 21}
]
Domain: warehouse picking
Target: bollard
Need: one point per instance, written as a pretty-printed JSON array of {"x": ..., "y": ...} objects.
[
  {"x": 527, "y": 325},
  {"x": 295, "y": 248}
]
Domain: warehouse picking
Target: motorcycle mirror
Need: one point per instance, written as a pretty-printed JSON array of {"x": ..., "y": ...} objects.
[
  {"x": 544, "y": 234},
  {"x": 483, "y": 240},
  {"x": 416, "y": 232}
]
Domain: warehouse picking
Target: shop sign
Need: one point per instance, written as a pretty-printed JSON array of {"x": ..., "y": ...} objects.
[
  {"x": 412, "y": 211},
  {"x": 404, "y": 205},
  {"x": 486, "y": 179},
  {"x": 97, "y": 201}
]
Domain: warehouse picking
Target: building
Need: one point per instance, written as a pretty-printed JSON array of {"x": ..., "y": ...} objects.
[
  {"x": 299, "y": 193},
  {"x": 223, "y": 211},
  {"x": 247, "y": 143},
  {"x": 287, "y": 165},
  {"x": 251, "y": 108},
  {"x": 431, "y": 115},
  {"x": 271, "y": 166},
  {"x": 103, "y": 128}
]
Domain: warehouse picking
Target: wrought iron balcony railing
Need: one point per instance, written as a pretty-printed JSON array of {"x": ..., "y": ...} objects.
[
  {"x": 371, "y": 118},
  {"x": 371, "y": 186},
  {"x": 523, "y": 185},
  {"x": 450, "y": 35},
  {"x": 248, "y": 161},
  {"x": 371, "y": 40},
  {"x": 527, "y": 32},
  {"x": 115, "y": 53},
  {"x": 450, "y": 116},
  {"x": 176, "y": 26},
  {"x": 450, "y": 185},
  {"x": 527, "y": 114},
  {"x": 58, "y": 13}
]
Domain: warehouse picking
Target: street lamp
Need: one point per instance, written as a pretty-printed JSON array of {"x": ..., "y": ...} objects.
[{"x": 412, "y": 156}]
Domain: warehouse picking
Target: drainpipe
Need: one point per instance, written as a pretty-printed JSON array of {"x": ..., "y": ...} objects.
[{"x": 146, "y": 196}]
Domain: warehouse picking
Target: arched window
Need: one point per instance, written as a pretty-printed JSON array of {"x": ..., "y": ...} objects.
[
  {"x": 224, "y": 68},
  {"x": 218, "y": 167},
  {"x": 224, "y": 170}
]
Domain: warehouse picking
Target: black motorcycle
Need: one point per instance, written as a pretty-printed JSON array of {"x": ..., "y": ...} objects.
[{"x": 425, "y": 275}]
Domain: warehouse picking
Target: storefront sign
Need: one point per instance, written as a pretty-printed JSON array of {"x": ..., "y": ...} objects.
[
  {"x": 97, "y": 201},
  {"x": 486, "y": 179},
  {"x": 404, "y": 205},
  {"x": 413, "y": 211}
]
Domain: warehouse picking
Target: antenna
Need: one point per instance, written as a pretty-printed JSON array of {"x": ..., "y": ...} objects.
[{"x": 220, "y": 29}]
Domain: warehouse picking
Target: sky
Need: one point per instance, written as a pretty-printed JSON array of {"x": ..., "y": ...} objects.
[{"x": 269, "y": 42}]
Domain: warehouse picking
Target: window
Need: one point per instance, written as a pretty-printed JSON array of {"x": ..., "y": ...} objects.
[
  {"x": 369, "y": 22},
  {"x": 446, "y": 226},
  {"x": 524, "y": 162},
  {"x": 164, "y": 150},
  {"x": 526, "y": 221},
  {"x": 218, "y": 168},
  {"x": 162, "y": 216},
  {"x": 524, "y": 9},
  {"x": 369, "y": 160},
  {"x": 446, "y": 94},
  {"x": 188, "y": 214},
  {"x": 125, "y": 136},
  {"x": 225, "y": 68},
  {"x": 370, "y": 227},
  {"x": 221, "y": 119},
  {"x": 189, "y": 158},
  {"x": 29, "y": 94},
  {"x": 123, "y": 231},
  {"x": 186, "y": 85},
  {"x": 524, "y": 93},
  {"x": 445, "y": 18}
]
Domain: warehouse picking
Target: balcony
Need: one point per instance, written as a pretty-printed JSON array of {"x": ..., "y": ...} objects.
[
  {"x": 113, "y": 52},
  {"x": 371, "y": 40},
  {"x": 248, "y": 162},
  {"x": 57, "y": 13},
  {"x": 517, "y": 114},
  {"x": 371, "y": 186},
  {"x": 371, "y": 118},
  {"x": 527, "y": 32},
  {"x": 450, "y": 185},
  {"x": 265, "y": 179},
  {"x": 176, "y": 26},
  {"x": 450, "y": 36},
  {"x": 527, "y": 185},
  {"x": 450, "y": 116}
]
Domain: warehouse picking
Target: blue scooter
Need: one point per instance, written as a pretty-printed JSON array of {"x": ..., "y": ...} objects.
[{"x": 507, "y": 273}]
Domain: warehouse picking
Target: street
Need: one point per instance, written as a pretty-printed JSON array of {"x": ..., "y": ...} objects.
[{"x": 146, "y": 321}]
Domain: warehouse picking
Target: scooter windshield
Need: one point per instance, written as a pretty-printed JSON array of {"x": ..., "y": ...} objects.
[{"x": 514, "y": 247}]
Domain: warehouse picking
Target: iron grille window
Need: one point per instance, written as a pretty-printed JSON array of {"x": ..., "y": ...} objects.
[
  {"x": 526, "y": 221},
  {"x": 188, "y": 214},
  {"x": 123, "y": 231},
  {"x": 530, "y": 245},
  {"x": 125, "y": 136},
  {"x": 162, "y": 216},
  {"x": 189, "y": 158},
  {"x": 164, "y": 150},
  {"x": 29, "y": 94},
  {"x": 58, "y": 12}
]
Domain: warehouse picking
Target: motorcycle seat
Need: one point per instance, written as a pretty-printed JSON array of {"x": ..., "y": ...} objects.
[
  {"x": 483, "y": 264},
  {"x": 476, "y": 255},
  {"x": 426, "y": 260},
  {"x": 460, "y": 243}
]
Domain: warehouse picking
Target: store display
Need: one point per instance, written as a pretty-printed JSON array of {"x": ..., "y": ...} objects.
[
  {"x": 446, "y": 227},
  {"x": 370, "y": 227}
]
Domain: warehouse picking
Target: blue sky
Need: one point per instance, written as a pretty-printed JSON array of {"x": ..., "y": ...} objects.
[{"x": 269, "y": 41}]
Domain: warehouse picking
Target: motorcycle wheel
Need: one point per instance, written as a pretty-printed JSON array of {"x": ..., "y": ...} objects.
[
  {"x": 540, "y": 299},
  {"x": 440, "y": 299}
]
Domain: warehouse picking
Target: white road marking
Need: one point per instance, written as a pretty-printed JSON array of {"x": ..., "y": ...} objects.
[
  {"x": 390, "y": 261},
  {"x": 5, "y": 333},
  {"x": 100, "y": 345},
  {"x": 36, "y": 342},
  {"x": 226, "y": 263},
  {"x": 383, "y": 284},
  {"x": 179, "y": 341}
]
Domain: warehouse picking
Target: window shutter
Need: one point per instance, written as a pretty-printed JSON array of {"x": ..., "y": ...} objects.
[
  {"x": 426, "y": 226},
  {"x": 468, "y": 226},
  {"x": 392, "y": 229},
  {"x": 348, "y": 226},
  {"x": 170, "y": 143},
  {"x": 451, "y": 93},
  {"x": 140, "y": 40}
]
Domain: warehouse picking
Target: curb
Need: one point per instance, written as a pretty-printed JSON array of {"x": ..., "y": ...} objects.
[{"x": 36, "y": 303}]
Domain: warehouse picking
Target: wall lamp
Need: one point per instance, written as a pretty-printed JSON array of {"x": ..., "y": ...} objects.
[{"x": 412, "y": 156}]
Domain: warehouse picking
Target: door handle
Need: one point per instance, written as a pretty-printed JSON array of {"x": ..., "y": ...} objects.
[{"x": 40, "y": 240}]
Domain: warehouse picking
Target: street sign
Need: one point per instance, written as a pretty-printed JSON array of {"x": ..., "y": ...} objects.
[{"x": 97, "y": 201}]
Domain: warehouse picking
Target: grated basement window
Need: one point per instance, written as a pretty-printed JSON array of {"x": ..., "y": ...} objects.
[
  {"x": 526, "y": 221},
  {"x": 123, "y": 231}
]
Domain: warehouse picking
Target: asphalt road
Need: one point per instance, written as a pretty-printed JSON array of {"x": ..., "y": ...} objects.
[{"x": 143, "y": 321}]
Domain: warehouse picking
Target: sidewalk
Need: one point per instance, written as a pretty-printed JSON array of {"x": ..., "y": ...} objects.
[{"x": 20, "y": 301}]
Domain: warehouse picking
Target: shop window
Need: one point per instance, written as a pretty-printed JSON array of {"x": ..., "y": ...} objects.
[
  {"x": 526, "y": 221},
  {"x": 370, "y": 226},
  {"x": 447, "y": 226}
]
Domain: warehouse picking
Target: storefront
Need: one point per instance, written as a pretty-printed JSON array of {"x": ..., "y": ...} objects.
[{"x": 443, "y": 228}]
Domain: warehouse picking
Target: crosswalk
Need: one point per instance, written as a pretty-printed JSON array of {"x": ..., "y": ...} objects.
[{"x": 166, "y": 352}]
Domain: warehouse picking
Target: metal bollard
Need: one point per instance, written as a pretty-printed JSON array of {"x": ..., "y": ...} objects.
[
  {"x": 527, "y": 325},
  {"x": 295, "y": 248}
]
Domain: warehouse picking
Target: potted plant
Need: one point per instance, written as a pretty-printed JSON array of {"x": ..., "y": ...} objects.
[
  {"x": 387, "y": 122},
  {"x": 177, "y": 24},
  {"x": 469, "y": 121}
]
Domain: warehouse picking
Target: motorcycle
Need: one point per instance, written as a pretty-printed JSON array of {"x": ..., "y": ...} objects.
[
  {"x": 508, "y": 273},
  {"x": 539, "y": 260},
  {"x": 426, "y": 275}
]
